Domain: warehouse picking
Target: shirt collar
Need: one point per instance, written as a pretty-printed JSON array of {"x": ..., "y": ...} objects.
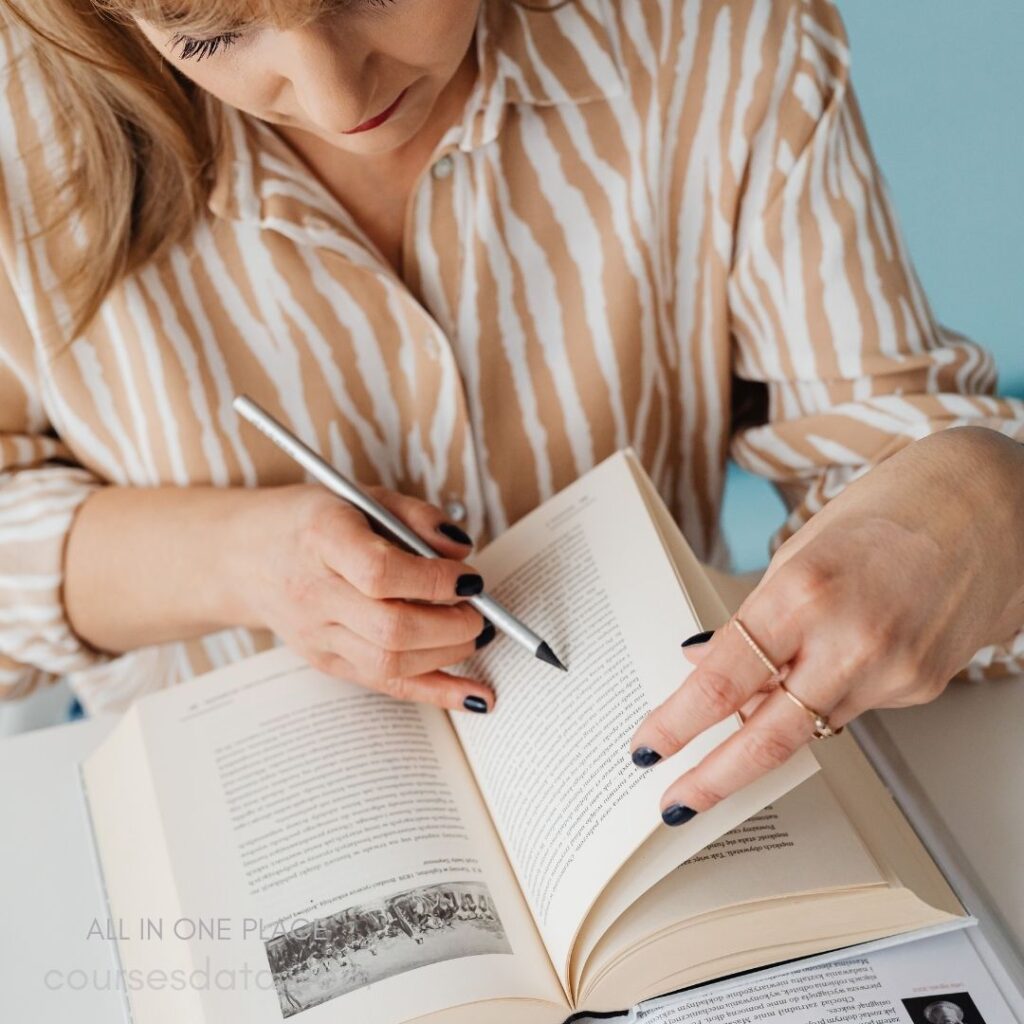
[
  {"x": 542, "y": 54},
  {"x": 548, "y": 53}
]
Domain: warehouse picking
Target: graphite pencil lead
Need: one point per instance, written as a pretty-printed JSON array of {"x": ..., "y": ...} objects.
[{"x": 546, "y": 654}]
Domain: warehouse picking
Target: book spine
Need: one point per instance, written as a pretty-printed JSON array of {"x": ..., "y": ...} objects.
[{"x": 102, "y": 878}]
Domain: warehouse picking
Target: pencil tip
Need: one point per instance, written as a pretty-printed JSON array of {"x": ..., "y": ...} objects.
[{"x": 546, "y": 654}]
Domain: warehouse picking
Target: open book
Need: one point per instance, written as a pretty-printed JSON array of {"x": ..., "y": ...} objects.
[{"x": 362, "y": 860}]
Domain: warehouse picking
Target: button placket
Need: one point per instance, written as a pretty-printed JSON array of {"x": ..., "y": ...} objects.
[{"x": 455, "y": 504}]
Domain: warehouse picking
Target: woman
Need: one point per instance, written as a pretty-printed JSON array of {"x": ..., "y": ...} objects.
[{"x": 469, "y": 250}]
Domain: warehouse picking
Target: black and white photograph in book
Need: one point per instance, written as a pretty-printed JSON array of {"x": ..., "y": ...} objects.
[
  {"x": 367, "y": 943},
  {"x": 949, "y": 1008}
]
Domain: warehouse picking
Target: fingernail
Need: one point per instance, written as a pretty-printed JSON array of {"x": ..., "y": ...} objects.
[
  {"x": 487, "y": 634},
  {"x": 469, "y": 585},
  {"x": 677, "y": 814},
  {"x": 452, "y": 532},
  {"x": 475, "y": 704},
  {"x": 644, "y": 757},
  {"x": 698, "y": 638}
]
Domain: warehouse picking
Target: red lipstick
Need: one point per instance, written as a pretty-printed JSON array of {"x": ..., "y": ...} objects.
[{"x": 376, "y": 122}]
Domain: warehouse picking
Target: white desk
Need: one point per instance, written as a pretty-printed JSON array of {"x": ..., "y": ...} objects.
[{"x": 962, "y": 760}]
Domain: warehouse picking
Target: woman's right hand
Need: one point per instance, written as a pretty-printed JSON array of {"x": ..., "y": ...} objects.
[{"x": 357, "y": 606}]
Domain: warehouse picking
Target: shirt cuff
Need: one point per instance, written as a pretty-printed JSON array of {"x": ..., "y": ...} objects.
[{"x": 37, "y": 642}]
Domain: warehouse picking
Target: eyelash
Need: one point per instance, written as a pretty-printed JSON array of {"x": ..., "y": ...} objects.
[
  {"x": 200, "y": 48},
  {"x": 192, "y": 48}
]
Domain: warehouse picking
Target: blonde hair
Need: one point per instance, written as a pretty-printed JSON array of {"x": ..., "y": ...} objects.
[{"x": 146, "y": 138}]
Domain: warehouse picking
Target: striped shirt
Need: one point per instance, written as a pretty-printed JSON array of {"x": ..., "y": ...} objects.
[{"x": 657, "y": 223}]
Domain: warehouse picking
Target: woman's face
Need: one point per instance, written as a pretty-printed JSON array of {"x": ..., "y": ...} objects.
[{"x": 363, "y": 79}]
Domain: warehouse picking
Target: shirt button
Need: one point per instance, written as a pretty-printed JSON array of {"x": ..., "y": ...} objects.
[
  {"x": 443, "y": 168},
  {"x": 455, "y": 510}
]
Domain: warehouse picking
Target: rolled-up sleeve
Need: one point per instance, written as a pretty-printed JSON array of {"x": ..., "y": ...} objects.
[
  {"x": 827, "y": 313},
  {"x": 41, "y": 488}
]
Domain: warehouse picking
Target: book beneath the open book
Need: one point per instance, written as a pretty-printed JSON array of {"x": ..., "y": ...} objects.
[{"x": 383, "y": 863}]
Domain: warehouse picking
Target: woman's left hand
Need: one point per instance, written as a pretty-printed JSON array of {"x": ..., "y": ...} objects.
[{"x": 876, "y": 603}]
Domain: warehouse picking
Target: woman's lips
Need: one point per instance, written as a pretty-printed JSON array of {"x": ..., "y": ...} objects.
[{"x": 376, "y": 122}]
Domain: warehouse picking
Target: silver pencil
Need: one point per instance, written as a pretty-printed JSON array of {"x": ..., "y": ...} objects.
[{"x": 327, "y": 475}]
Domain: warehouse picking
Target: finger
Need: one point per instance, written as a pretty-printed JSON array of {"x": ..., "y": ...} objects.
[
  {"x": 845, "y": 712},
  {"x": 428, "y": 521},
  {"x": 728, "y": 675},
  {"x": 378, "y": 664},
  {"x": 401, "y": 625},
  {"x": 753, "y": 704},
  {"x": 698, "y": 639},
  {"x": 859, "y": 700},
  {"x": 695, "y": 648},
  {"x": 762, "y": 694},
  {"x": 381, "y": 570},
  {"x": 438, "y": 688},
  {"x": 776, "y": 729},
  {"x": 695, "y": 655},
  {"x": 774, "y": 732}
]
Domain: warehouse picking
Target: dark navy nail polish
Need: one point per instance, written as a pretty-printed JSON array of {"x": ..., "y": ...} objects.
[
  {"x": 487, "y": 634},
  {"x": 475, "y": 704},
  {"x": 698, "y": 638},
  {"x": 644, "y": 757},
  {"x": 677, "y": 814},
  {"x": 469, "y": 585},
  {"x": 452, "y": 532}
]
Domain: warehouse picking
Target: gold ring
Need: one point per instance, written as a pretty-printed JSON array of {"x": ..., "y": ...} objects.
[
  {"x": 755, "y": 647},
  {"x": 822, "y": 728}
]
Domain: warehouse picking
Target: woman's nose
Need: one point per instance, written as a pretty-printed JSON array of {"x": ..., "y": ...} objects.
[{"x": 329, "y": 79}]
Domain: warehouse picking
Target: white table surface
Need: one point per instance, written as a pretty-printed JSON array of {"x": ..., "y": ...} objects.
[{"x": 962, "y": 759}]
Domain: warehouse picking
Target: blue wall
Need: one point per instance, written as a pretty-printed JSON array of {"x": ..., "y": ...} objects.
[
  {"x": 942, "y": 87},
  {"x": 941, "y": 83}
]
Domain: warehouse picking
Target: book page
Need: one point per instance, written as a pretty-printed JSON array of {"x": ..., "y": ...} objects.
[
  {"x": 930, "y": 980},
  {"x": 328, "y": 849},
  {"x": 588, "y": 572},
  {"x": 801, "y": 843}
]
